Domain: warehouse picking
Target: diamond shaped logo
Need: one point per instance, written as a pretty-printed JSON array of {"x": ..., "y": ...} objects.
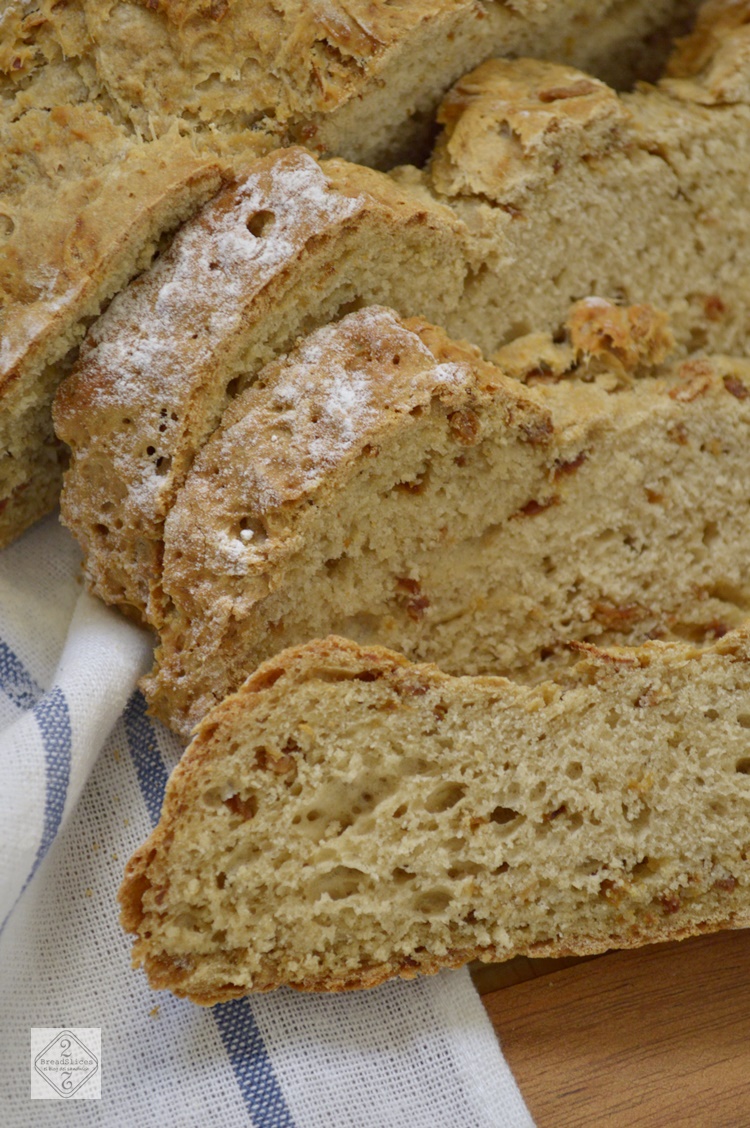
[{"x": 66, "y": 1063}]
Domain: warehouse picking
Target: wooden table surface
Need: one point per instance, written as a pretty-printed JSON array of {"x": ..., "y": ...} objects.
[{"x": 653, "y": 1038}]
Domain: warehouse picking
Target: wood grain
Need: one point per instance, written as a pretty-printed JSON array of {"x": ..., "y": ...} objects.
[{"x": 644, "y": 1039}]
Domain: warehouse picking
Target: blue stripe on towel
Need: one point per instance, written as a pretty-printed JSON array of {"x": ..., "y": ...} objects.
[
  {"x": 251, "y": 1064},
  {"x": 16, "y": 681},
  {"x": 149, "y": 766},
  {"x": 237, "y": 1027},
  {"x": 52, "y": 715}
]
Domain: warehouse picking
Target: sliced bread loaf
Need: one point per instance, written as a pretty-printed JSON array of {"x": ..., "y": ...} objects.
[
  {"x": 564, "y": 190},
  {"x": 384, "y": 483},
  {"x": 348, "y": 817}
]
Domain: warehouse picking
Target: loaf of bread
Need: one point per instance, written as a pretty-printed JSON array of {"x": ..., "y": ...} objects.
[
  {"x": 360, "y": 80},
  {"x": 117, "y": 120},
  {"x": 554, "y": 188},
  {"x": 348, "y": 817},
  {"x": 383, "y": 483}
]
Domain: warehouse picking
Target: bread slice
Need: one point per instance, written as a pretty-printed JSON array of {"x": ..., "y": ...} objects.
[
  {"x": 557, "y": 188},
  {"x": 384, "y": 483},
  {"x": 83, "y": 207},
  {"x": 348, "y": 817}
]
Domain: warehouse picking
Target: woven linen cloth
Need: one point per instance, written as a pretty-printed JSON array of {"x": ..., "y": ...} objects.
[{"x": 82, "y": 774}]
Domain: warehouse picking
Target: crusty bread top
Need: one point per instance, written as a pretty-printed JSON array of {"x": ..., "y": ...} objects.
[
  {"x": 101, "y": 171},
  {"x": 510, "y": 124},
  {"x": 717, "y": 53},
  {"x": 282, "y": 68},
  {"x": 626, "y": 341}
]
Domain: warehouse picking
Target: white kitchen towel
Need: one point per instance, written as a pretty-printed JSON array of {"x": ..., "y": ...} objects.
[{"x": 82, "y": 773}]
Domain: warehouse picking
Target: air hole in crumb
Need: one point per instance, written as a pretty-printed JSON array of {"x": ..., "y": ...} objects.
[
  {"x": 221, "y": 880},
  {"x": 313, "y": 815},
  {"x": 464, "y": 869},
  {"x": 400, "y": 810},
  {"x": 340, "y": 882},
  {"x": 7, "y": 226},
  {"x": 252, "y": 530},
  {"x": 445, "y": 796},
  {"x": 504, "y": 815},
  {"x": 743, "y": 720},
  {"x": 246, "y": 808},
  {"x": 435, "y": 901},
  {"x": 416, "y": 765},
  {"x": 539, "y": 790},
  {"x": 396, "y": 360},
  {"x": 711, "y": 715},
  {"x": 401, "y": 876},
  {"x": 102, "y": 530},
  {"x": 233, "y": 387},
  {"x": 642, "y": 819},
  {"x": 259, "y": 223},
  {"x": 743, "y": 766},
  {"x": 710, "y": 533},
  {"x": 574, "y": 770}
]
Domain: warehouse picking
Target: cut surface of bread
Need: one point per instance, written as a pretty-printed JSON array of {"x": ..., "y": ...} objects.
[
  {"x": 348, "y": 817},
  {"x": 557, "y": 189},
  {"x": 384, "y": 483}
]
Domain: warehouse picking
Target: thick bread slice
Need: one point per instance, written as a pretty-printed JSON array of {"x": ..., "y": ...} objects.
[
  {"x": 83, "y": 206},
  {"x": 383, "y": 483},
  {"x": 348, "y": 817},
  {"x": 565, "y": 189}
]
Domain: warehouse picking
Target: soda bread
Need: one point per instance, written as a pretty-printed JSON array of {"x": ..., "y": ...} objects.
[
  {"x": 359, "y": 80},
  {"x": 348, "y": 817},
  {"x": 536, "y": 161},
  {"x": 383, "y": 483},
  {"x": 118, "y": 119}
]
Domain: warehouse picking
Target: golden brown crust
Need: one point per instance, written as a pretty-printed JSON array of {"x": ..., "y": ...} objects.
[
  {"x": 63, "y": 176},
  {"x": 510, "y": 125},
  {"x": 712, "y": 64},
  {"x": 627, "y": 340}
]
